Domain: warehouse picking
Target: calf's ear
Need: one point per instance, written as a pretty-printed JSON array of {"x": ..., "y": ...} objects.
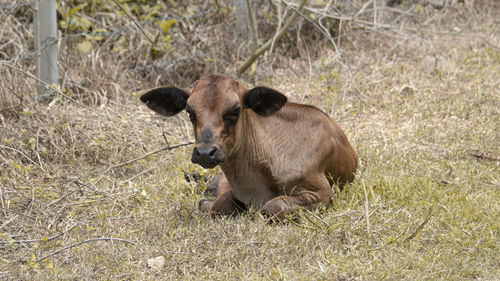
[
  {"x": 264, "y": 101},
  {"x": 166, "y": 101}
]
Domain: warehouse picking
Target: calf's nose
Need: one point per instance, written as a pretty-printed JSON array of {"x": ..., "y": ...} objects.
[
  {"x": 206, "y": 156},
  {"x": 205, "y": 153}
]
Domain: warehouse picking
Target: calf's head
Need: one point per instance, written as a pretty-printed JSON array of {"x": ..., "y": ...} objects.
[{"x": 216, "y": 106}]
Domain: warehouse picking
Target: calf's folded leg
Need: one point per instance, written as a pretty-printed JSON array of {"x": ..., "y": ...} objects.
[{"x": 310, "y": 194}]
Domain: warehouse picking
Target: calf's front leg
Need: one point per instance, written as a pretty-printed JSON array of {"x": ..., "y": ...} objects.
[
  {"x": 310, "y": 194},
  {"x": 225, "y": 203}
]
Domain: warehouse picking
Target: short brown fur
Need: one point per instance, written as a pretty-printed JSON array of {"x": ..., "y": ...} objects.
[{"x": 279, "y": 162}]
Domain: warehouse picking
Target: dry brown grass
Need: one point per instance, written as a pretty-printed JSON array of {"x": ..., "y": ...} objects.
[{"x": 421, "y": 208}]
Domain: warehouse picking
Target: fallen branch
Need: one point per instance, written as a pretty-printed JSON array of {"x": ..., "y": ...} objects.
[
  {"x": 484, "y": 156},
  {"x": 151, "y": 153},
  {"x": 257, "y": 53},
  {"x": 83, "y": 242}
]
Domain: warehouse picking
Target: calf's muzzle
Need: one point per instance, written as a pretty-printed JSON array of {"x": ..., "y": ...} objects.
[{"x": 208, "y": 155}]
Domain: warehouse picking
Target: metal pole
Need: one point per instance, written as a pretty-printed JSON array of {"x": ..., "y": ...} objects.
[{"x": 46, "y": 43}]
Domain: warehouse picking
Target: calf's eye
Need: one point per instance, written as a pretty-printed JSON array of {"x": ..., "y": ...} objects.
[{"x": 232, "y": 115}]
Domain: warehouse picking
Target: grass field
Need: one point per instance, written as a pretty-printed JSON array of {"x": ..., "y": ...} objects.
[{"x": 422, "y": 110}]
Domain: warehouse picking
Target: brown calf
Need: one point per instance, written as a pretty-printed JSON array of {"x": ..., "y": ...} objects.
[{"x": 275, "y": 155}]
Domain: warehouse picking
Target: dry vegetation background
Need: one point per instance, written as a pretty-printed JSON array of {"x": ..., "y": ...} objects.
[{"x": 417, "y": 91}]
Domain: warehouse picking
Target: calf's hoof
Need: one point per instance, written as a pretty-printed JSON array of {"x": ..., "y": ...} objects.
[{"x": 205, "y": 205}]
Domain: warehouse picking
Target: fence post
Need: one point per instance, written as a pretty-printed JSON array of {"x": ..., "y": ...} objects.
[{"x": 46, "y": 43}]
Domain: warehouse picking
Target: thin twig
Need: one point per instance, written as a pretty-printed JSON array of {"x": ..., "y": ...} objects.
[
  {"x": 42, "y": 239},
  {"x": 61, "y": 198},
  {"x": 362, "y": 9},
  {"x": 49, "y": 86},
  {"x": 164, "y": 138},
  {"x": 421, "y": 225},
  {"x": 9, "y": 221},
  {"x": 392, "y": 241},
  {"x": 325, "y": 32},
  {"x": 249, "y": 242},
  {"x": 318, "y": 218},
  {"x": 139, "y": 174},
  {"x": 19, "y": 213},
  {"x": 139, "y": 139},
  {"x": 302, "y": 225},
  {"x": 186, "y": 126},
  {"x": 257, "y": 53},
  {"x": 25, "y": 156},
  {"x": 133, "y": 20},
  {"x": 77, "y": 182},
  {"x": 313, "y": 222},
  {"x": 36, "y": 148},
  {"x": 83, "y": 242},
  {"x": 1, "y": 202},
  {"x": 1, "y": 47},
  {"x": 348, "y": 213},
  {"x": 484, "y": 156},
  {"x": 151, "y": 153}
]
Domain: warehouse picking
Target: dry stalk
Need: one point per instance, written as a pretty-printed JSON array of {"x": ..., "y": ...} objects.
[
  {"x": 53, "y": 203},
  {"x": 367, "y": 208},
  {"x": 36, "y": 148},
  {"x": 317, "y": 217},
  {"x": 9, "y": 221},
  {"x": 421, "y": 226},
  {"x": 83, "y": 242},
  {"x": 313, "y": 222},
  {"x": 392, "y": 241},
  {"x": 310, "y": 69},
  {"x": 1, "y": 202},
  {"x": 93, "y": 188},
  {"x": 301, "y": 225},
  {"x": 19, "y": 213},
  {"x": 139, "y": 139},
  {"x": 133, "y": 20},
  {"x": 137, "y": 175},
  {"x": 24, "y": 155}
]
